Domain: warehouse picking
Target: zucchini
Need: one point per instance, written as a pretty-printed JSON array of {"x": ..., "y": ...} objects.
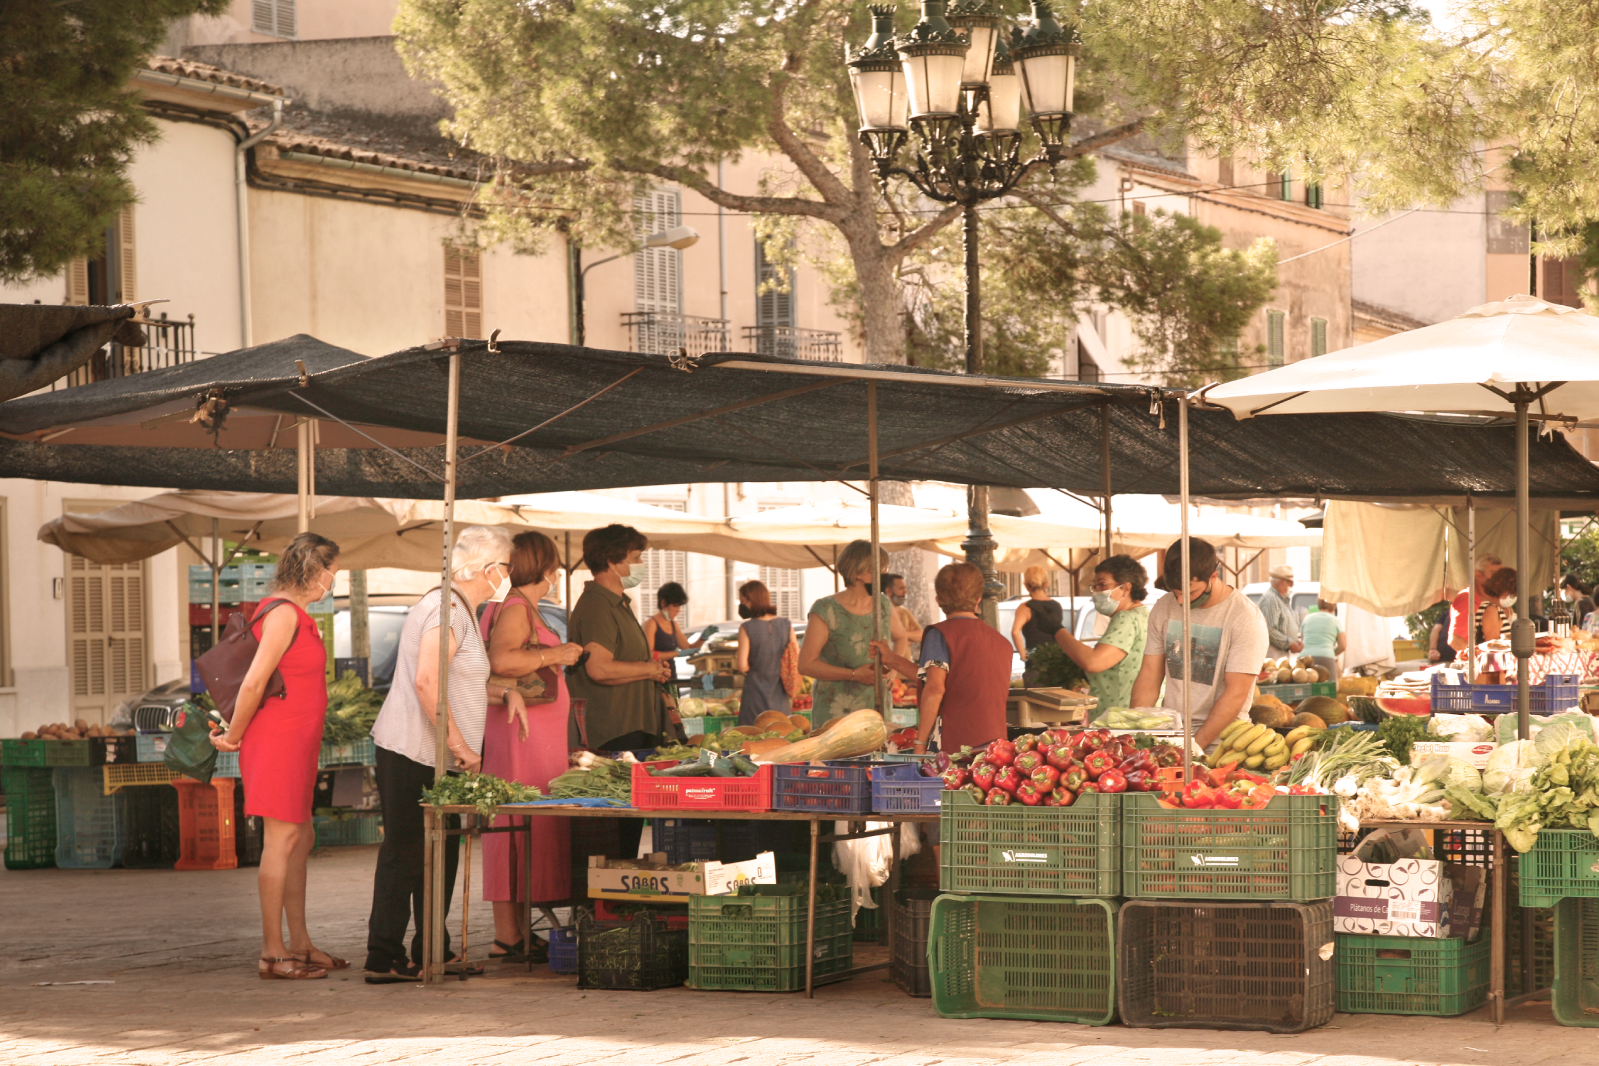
[
  {"x": 744, "y": 765},
  {"x": 723, "y": 767}
]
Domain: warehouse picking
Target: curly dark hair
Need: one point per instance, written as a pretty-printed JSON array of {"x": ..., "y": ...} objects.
[
  {"x": 1127, "y": 571},
  {"x": 303, "y": 561},
  {"x": 670, "y": 594},
  {"x": 611, "y": 544},
  {"x": 1501, "y": 582}
]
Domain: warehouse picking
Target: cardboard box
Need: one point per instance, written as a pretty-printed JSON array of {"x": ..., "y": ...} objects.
[
  {"x": 1410, "y": 897},
  {"x": 724, "y": 878},
  {"x": 655, "y": 881},
  {"x": 1475, "y": 752},
  {"x": 1470, "y": 891}
]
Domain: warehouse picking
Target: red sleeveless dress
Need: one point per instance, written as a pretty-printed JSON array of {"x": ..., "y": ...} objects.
[{"x": 278, "y": 759}]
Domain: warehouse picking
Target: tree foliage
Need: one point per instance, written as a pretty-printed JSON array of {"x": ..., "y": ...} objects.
[{"x": 68, "y": 125}]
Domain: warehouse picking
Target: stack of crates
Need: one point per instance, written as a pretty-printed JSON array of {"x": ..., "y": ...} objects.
[
  {"x": 755, "y": 941},
  {"x": 1026, "y": 925},
  {"x": 1229, "y": 915},
  {"x": 1562, "y": 871}
]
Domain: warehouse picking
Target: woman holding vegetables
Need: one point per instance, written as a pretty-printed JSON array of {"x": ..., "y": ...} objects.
[
  {"x": 530, "y": 747},
  {"x": 1112, "y": 663},
  {"x": 839, "y": 631}
]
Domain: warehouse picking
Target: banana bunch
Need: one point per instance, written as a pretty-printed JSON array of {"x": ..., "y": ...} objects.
[{"x": 1257, "y": 747}]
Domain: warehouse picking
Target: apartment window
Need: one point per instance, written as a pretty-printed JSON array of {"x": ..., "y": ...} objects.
[
  {"x": 1276, "y": 327},
  {"x": 657, "y": 272},
  {"x": 1087, "y": 369},
  {"x": 1561, "y": 281},
  {"x": 110, "y": 276},
  {"x": 275, "y": 18},
  {"x": 1279, "y": 184},
  {"x": 1224, "y": 171},
  {"x": 1312, "y": 195},
  {"x": 1505, "y": 237},
  {"x": 774, "y": 307},
  {"x": 107, "y": 642},
  {"x": 463, "y": 293},
  {"x": 782, "y": 583},
  {"x": 1139, "y": 208},
  {"x": 1318, "y": 337}
]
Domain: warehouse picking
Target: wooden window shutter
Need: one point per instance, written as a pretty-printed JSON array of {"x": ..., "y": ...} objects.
[
  {"x": 78, "y": 281},
  {"x": 275, "y": 18},
  {"x": 1318, "y": 337},
  {"x": 463, "y": 293},
  {"x": 773, "y": 306},
  {"x": 285, "y": 12},
  {"x": 1276, "y": 323},
  {"x": 127, "y": 268},
  {"x": 1224, "y": 171}
]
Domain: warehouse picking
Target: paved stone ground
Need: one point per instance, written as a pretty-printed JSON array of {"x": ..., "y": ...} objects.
[{"x": 178, "y": 952}]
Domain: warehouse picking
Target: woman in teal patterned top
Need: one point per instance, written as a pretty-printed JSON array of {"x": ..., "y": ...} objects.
[{"x": 838, "y": 634}]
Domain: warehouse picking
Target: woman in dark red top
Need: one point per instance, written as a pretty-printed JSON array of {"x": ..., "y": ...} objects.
[
  {"x": 965, "y": 668},
  {"x": 278, "y": 756}
]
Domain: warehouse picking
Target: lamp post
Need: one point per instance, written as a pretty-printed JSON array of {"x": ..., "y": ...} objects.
[
  {"x": 941, "y": 107},
  {"x": 678, "y": 237}
]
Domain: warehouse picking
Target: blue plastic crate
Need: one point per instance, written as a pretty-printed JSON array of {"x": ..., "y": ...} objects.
[
  {"x": 899, "y": 787},
  {"x": 91, "y": 829},
  {"x": 1556, "y": 694},
  {"x": 563, "y": 951},
  {"x": 684, "y": 840},
  {"x": 838, "y": 786},
  {"x": 227, "y": 765}
]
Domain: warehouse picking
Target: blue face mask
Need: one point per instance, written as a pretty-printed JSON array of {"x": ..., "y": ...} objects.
[
  {"x": 1106, "y": 603},
  {"x": 632, "y": 581}
]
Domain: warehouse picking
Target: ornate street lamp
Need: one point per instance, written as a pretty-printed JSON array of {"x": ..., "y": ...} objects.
[{"x": 963, "y": 90}]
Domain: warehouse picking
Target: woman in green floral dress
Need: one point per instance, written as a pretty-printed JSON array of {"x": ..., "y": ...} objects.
[{"x": 838, "y": 634}]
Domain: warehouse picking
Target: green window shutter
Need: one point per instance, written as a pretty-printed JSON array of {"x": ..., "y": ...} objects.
[
  {"x": 1276, "y": 322},
  {"x": 1313, "y": 196},
  {"x": 1318, "y": 337}
]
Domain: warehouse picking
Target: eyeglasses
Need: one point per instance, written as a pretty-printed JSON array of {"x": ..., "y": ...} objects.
[{"x": 1099, "y": 587}]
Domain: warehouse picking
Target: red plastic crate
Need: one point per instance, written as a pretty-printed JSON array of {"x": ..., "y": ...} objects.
[
  {"x": 205, "y": 824},
  {"x": 702, "y": 793},
  {"x": 200, "y": 613}
]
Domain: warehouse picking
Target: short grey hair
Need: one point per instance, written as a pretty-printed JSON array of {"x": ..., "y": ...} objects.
[{"x": 478, "y": 547}]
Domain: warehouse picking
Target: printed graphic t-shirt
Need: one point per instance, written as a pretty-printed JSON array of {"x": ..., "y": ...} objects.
[{"x": 1229, "y": 638}]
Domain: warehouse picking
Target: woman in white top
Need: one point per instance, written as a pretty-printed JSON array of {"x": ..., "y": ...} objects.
[{"x": 480, "y": 569}]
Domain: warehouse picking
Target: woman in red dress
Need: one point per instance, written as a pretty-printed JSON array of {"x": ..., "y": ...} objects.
[
  {"x": 526, "y": 744},
  {"x": 278, "y": 757}
]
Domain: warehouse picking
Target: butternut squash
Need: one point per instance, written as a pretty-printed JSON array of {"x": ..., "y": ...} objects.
[{"x": 858, "y": 733}]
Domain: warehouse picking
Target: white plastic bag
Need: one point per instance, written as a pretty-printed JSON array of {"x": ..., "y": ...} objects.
[{"x": 865, "y": 863}]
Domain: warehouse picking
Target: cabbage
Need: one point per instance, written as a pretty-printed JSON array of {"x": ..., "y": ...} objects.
[
  {"x": 1473, "y": 728},
  {"x": 691, "y": 707},
  {"x": 1510, "y": 766},
  {"x": 1463, "y": 774}
]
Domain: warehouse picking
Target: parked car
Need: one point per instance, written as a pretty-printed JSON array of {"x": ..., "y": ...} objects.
[{"x": 386, "y": 618}]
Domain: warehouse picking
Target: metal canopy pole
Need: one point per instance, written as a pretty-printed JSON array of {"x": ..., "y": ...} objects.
[
  {"x": 979, "y": 542},
  {"x": 302, "y": 474},
  {"x": 1188, "y": 624},
  {"x": 1104, "y": 468},
  {"x": 216, "y": 578},
  {"x": 1521, "y": 633},
  {"x": 1471, "y": 590},
  {"x": 877, "y": 584},
  {"x": 437, "y": 904}
]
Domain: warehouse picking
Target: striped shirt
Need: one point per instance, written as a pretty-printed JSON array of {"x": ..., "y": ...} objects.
[{"x": 402, "y": 726}]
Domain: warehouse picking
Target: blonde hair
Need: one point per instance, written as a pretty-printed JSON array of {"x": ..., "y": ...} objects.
[
  {"x": 856, "y": 560},
  {"x": 1035, "y": 579},
  {"x": 303, "y": 561},
  {"x": 958, "y": 587},
  {"x": 478, "y": 547}
]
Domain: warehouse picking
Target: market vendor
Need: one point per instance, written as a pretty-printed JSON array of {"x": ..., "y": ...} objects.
[
  {"x": 838, "y": 633},
  {"x": 1460, "y": 609},
  {"x": 894, "y": 589},
  {"x": 1323, "y": 634},
  {"x": 965, "y": 667},
  {"x": 1228, "y": 645},
  {"x": 620, "y": 680},
  {"x": 1112, "y": 663}
]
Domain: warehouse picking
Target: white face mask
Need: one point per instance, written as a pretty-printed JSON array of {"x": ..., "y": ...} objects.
[
  {"x": 325, "y": 591},
  {"x": 1507, "y": 601},
  {"x": 501, "y": 590},
  {"x": 1568, "y": 595}
]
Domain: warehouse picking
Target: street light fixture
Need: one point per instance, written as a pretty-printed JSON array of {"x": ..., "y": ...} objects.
[
  {"x": 678, "y": 237},
  {"x": 964, "y": 86}
]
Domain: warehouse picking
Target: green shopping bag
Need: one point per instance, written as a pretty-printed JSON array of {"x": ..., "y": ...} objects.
[{"x": 189, "y": 748}]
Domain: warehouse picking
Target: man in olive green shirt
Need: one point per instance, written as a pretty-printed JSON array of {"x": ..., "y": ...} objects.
[{"x": 621, "y": 679}]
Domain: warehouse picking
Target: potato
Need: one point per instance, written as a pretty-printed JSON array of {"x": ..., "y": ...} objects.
[
  {"x": 30, "y": 735},
  {"x": 81, "y": 725}
]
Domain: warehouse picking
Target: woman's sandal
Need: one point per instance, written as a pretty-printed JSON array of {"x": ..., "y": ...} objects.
[
  {"x": 509, "y": 952},
  {"x": 298, "y": 972},
  {"x": 333, "y": 963}
]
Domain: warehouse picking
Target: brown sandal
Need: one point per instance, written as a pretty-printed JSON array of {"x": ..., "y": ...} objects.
[
  {"x": 333, "y": 963},
  {"x": 300, "y": 972}
]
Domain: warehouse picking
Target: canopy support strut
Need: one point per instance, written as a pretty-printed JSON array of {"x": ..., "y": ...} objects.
[
  {"x": 1522, "y": 639},
  {"x": 1104, "y": 468},
  {"x": 1188, "y": 590},
  {"x": 878, "y": 672}
]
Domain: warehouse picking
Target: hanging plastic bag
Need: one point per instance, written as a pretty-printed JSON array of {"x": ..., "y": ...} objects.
[{"x": 189, "y": 748}]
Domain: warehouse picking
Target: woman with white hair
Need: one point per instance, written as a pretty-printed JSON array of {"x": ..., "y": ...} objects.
[{"x": 480, "y": 569}]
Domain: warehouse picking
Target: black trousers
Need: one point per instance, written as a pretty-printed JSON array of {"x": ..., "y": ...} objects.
[{"x": 397, "y": 885}]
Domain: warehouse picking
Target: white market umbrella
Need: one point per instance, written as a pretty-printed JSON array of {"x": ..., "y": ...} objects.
[{"x": 1520, "y": 358}]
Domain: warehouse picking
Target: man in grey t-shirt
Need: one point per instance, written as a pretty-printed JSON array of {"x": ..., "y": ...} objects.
[{"x": 1228, "y": 645}]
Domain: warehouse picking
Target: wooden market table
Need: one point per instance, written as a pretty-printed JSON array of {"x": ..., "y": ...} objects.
[
  {"x": 435, "y": 972},
  {"x": 1496, "y": 929}
]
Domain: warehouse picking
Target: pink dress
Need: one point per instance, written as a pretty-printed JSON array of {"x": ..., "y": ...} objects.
[
  {"x": 534, "y": 761},
  {"x": 278, "y": 757}
]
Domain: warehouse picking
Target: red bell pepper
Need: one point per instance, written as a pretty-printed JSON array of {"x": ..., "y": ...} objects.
[
  {"x": 998, "y": 797},
  {"x": 1045, "y": 777},
  {"x": 1025, "y": 743},
  {"x": 983, "y": 775},
  {"x": 1061, "y": 797},
  {"x": 1029, "y": 795},
  {"x": 1028, "y": 761},
  {"x": 1228, "y": 798},
  {"x": 1059, "y": 756},
  {"x": 955, "y": 777},
  {"x": 976, "y": 792},
  {"x": 1088, "y": 786},
  {"x": 1169, "y": 756},
  {"x": 1074, "y": 778},
  {"x": 1001, "y": 753},
  {"x": 1140, "y": 760},
  {"x": 1009, "y": 778},
  {"x": 1142, "y": 781},
  {"x": 1218, "y": 775},
  {"x": 1088, "y": 742},
  {"x": 1112, "y": 781},
  {"x": 1098, "y": 762},
  {"x": 1198, "y": 796}
]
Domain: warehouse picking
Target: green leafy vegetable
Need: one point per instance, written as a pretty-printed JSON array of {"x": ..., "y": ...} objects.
[
  {"x": 1399, "y": 732},
  {"x": 352, "y": 708},
  {"x": 483, "y": 791},
  {"x": 606, "y": 779},
  {"x": 1466, "y": 804},
  {"x": 1050, "y": 667}
]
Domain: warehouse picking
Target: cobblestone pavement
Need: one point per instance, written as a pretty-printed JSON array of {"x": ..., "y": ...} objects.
[{"x": 169, "y": 958}]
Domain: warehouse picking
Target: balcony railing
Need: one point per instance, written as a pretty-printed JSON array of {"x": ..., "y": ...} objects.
[
  {"x": 793, "y": 342},
  {"x": 168, "y": 342},
  {"x": 661, "y": 333}
]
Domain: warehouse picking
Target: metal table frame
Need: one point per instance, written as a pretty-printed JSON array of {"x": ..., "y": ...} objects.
[
  {"x": 436, "y": 829},
  {"x": 436, "y": 972}
]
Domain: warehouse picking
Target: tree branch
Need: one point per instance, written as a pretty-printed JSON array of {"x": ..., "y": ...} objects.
[
  {"x": 758, "y": 205},
  {"x": 821, "y": 177},
  {"x": 1102, "y": 139},
  {"x": 1047, "y": 210},
  {"x": 912, "y": 241}
]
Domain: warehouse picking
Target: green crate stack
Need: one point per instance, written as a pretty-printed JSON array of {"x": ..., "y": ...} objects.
[
  {"x": 1563, "y": 864},
  {"x": 1576, "y": 987},
  {"x": 1031, "y": 851},
  {"x": 22, "y": 752},
  {"x": 1410, "y": 975},
  {"x": 1024, "y": 957},
  {"x": 30, "y": 817},
  {"x": 756, "y": 943},
  {"x": 356, "y": 828}
]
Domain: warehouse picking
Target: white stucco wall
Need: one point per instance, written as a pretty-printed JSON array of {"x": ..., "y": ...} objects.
[{"x": 1428, "y": 265}]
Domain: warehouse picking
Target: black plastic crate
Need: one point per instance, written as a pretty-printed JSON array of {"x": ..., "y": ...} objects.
[
  {"x": 248, "y": 832},
  {"x": 913, "y": 910},
  {"x": 684, "y": 840},
  {"x": 1226, "y": 965},
  {"x": 1469, "y": 847},
  {"x": 640, "y": 955},
  {"x": 153, "y": 841}
]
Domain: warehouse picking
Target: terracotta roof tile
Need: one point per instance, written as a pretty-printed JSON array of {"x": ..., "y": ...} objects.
[
  {"x": 184, "y": 68},
  {"x": 368, "y": 139}
]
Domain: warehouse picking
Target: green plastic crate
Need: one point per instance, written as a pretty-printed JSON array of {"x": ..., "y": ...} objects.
[
  {"x": 1564, "y": 864},
  {"x": 364, "y": 828},
  {"x": 1293, "y": 693},
  {"x": 21, "y": 752},
  {"x": 361, "y": 752},
  {"x": 1031, "y": 851},
  {"x": 1049, "y": 960},
  {"x": 1287, "y": 850},
  {"x": 30, "y": 817},
  {"x": 1576, "y": 993},
  {"x": 756, "y": 943},
  {"x": 68, "y": 753},
  {"x": 1410, "y": 975},
  {"x": 709, "y": 725}
]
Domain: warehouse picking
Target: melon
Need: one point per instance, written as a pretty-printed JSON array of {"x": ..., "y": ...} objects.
[
  {"x": 1326, "y": 708},
  {"x": 1306, "y": 718},
  {"x": 1365, "y": 709},
  {"x": 774, "y": 722},
  {"x": 1271, "y": 713},
  {"x": 800, "y": 722},
  {"x": 1322, "y": 674}
]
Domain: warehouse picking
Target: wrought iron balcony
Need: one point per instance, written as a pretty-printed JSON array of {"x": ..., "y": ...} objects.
[
  {"x": 168, "y": 342},
  {"x": 794, "y": 342},
  {"x": 662, "y": 332}
]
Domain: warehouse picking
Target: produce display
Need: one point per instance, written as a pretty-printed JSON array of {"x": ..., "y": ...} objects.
[
  {"x": 857, "y": 733},
  {"x": 352, "y": 708},
  {"x": 1256, "y": 746},
  {"x": 708, "y": 764},
  {"x": 1290, "y": 671},
  {"x": 78, "y": 730},
  {"x": 1050, "y": 667},
  {"x": 483, "y": 791},
  {"x": 901, "y": 692},
  {"x": 1053, "y": 768},
  {"x": 594, "y": 777},
  {"x": 1142, "y": 718}
]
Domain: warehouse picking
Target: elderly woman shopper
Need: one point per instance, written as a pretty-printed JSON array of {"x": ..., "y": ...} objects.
[
  {"x": 480, "y": 570},
  {"x": 528, "y": 747},
  {"x": 1113, "y": 661},
  {"x": 278, "y": 740},
  {"x": 621, "y": 679},
  {"x": 838, "y": 634},
  {"x": 762, "y": 642}
]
